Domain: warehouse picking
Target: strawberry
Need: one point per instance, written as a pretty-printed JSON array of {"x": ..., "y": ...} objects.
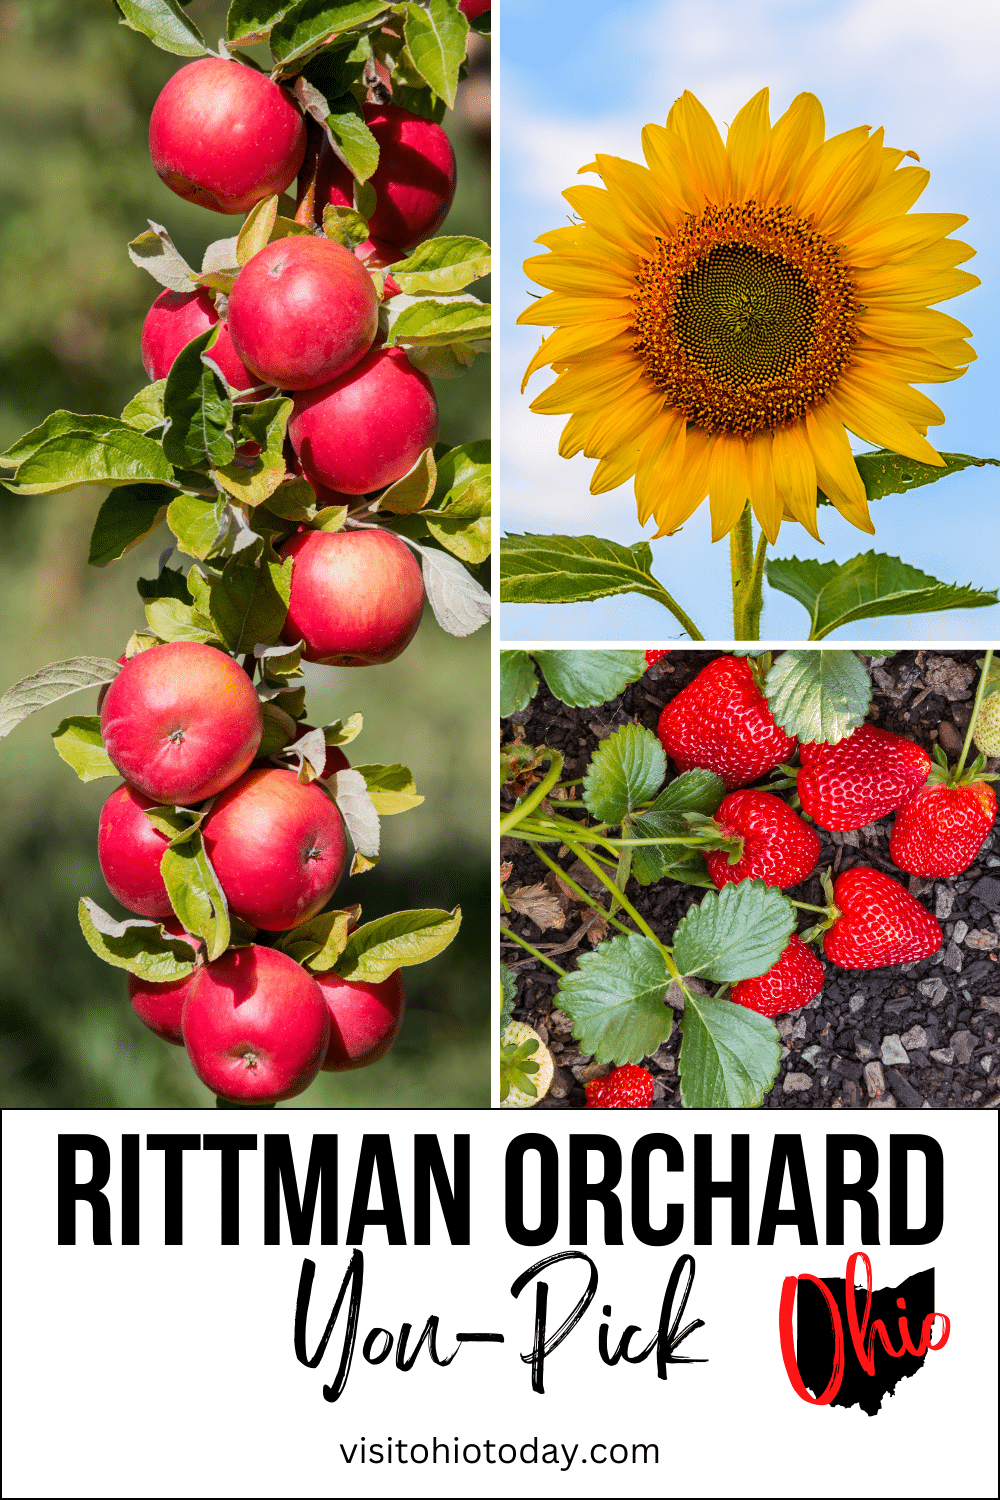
[
  {"x": 789, "y": 984},
  {"x": 987, "y": 731},
  {"x": 628, "y": 1087},
  {"x": 777, "y": 847},
  {"x": 652, "y": 657},
  {"x": 940, "y": 829},
  {"x": 877, "y": 923},
  {"x": 859, "y": 779},
  {"x": 721, "y": 722}
]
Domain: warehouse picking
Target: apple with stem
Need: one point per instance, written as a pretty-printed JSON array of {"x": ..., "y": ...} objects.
[
  {"x": 255, "y": 1026},
  {"x": 356, "y": 597},
  {"x": 364, "y": 1019},
  {"x": 225, "y": 136},
  {"x": 277, "y": 846},
  {"x": 181, "y": 721}
]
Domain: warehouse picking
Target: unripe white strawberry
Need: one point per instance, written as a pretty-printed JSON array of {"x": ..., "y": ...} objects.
[
  {"x": 987, "y": 731},
  {"x": 525, "y": 1065}
]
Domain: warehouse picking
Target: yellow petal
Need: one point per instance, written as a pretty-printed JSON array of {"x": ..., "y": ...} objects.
[
  {"x": 564, "y": 239},
  {"x": 589, "y": 387},
  {"x": 574, "y": 435},
  {"x": 844, "y": 169},
  {"x": 795, "y": 476},
  {"x": 894, "y": 197},
  {"x": 618, "y": 426},
  {"x": 767, "y": 505},
  {"x": 920, "y": 366},
  {"x": 872, "y": 418},
  {"x": 557, "y": 308},
  {"x": 564, "y": 273},
  {"x": 943, "y": 255},
  {"x": 920, "y": 325},
  {"x": 680, "y": 497},
  {"x": 794, "y": 137},
  {"x": 728, "y": 482},
  {"x": 639, "y": 189},
  {"x": 699, "y": 132},
  {"x": 836, "y": 472},
  {"x": 906, "y": 286},
  {"x": 899, "y": 238},
  {"x": 577, "y": 339},
  {"x": 747, "y": 145},
  {"x": 613, "y": 471},
  {"x": 610, "y": 217},
  {"x": 662, "y": 459},
  {"x": 669, "y": 162}
]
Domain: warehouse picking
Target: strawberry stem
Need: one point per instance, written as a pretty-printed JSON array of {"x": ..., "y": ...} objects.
[
  {"x": 625, "y": 904},
  {"x": 541, "y": 791},
  {"x": 956, "y": 774},
  {"x": 506, "y": 932},
  {"x": 576, "y": 889}
]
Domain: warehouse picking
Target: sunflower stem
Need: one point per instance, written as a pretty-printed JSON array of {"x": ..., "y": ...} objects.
[{"x": 741, "y": 561}]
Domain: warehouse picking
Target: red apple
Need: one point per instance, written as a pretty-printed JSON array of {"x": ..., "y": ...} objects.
[
  {"x": 364, "y": 1019},
  {"x": 181, "y": 721},
  {"x": 336, "y": 760},
  {"x": 301, "y": 312},
  {"x": 159, "y": 1006},
  {"x": 474, "y": 8},
  {"x": 225, "y": 136},
  {"x": 176, "y": 318},
  {"x": 367, "y": 429},
  {"x": 278, "y": 848},
  {"x": 255, "y": 1026},
  {"x": 129, "y": 850},
  {"x": 357, "y": 596},
  {"x": 378, "y": 255},
  {"x": 414, "y": 179}
]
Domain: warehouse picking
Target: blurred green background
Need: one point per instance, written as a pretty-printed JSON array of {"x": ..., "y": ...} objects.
[{"x": 76, "y": 185}]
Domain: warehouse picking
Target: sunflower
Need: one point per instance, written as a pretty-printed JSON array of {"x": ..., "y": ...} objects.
[{"x": 726, "y": 313}]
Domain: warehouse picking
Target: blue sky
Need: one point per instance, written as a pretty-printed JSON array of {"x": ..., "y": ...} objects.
[{"x": 572, "y": 77}]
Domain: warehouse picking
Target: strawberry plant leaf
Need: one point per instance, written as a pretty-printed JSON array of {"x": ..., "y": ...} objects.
[
  {"x": 615, "y": 997},
  {"x": 79, "y": 742},
  {"x": 436, "y": 38},
  {"x": 166, "y": 25},
  {"x": 198, "y": 408},
  {"x": 508, "y": 996},
  {"x": 584, "y": 678},
  {"x": 49, "y": 684},
  {"x": 444, "y": 265},
  {"x": 571, "y": 569},
  {"x": 869, "y": 587},
  {"x": 518, "y": 682},
  {"x": 141, "y": 947},
  {"x": 624, "y": 772},
  {"x": 127, "y": 515},
  {"x": 818, "y": 695},
  {"x": 517, "y": 1065},
  {"x": 736, "y": 933},
  {"x": 693, "y": 791},
  {"x": 377, "y": 949},
  {"x": 730, "y": 1056},
  {"x": 392, "y": 789},
  {"x": 195, "y": 893}
]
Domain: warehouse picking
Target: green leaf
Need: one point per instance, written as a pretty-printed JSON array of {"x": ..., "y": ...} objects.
[
  {"x": 460, "y": 604},
  {"x": 437, "y": 320},
  {"x": 463, "y": 526},
  {"x": 884, "y": 473},
  {"x": 419, "y": 101},
  {"x": 173, "y": 620},
  {"x": 251, "y": 20},
  {"x": 412, "y": 492},
  {"x": 166, "y": 25},
  {"x": 436, "y": 39},
  {"x": 145, "y": 410},
  {"x": 350, "y": 792},
  {"x": 127, "y": 515},
  {"x": 320, "y": 941},
  {"x": 197, "y": 523},
  {"x": 508, "y": 996},
  {"x": 692, "y": 791},
  {"x": 517, "y": 1065},
  {"x": 625, "y": 771},
  {"x": 169, "y": 583},
  {"x": 735, "y": 933},
  {"x": 350, "y": 137},
  {"x": 615, "y": 997},
  {"x": 79, "y": 742},
  {"x": 252, "y": 481},
  {"x": 818, "y": 695},
  {"x": 118, "y": 456},
  {"x": 49, "y": 684},
  {"x": 339, "y": 67},
  {"x": 392, "y": 789},
  {"x": 582, "y": 678},
  {"x": 143, "y": 948},
  {"x": 518, "y": 683},
  {"x": 572, "y": 569},
  {"x": 443, "y": 265},
  {"x": 345, "y": 226},
  {"x": 459, "y": 467},
  {"x": 445, "y": 361},
  {"x": 250, "y": 600},
  {"x": 195, "y": 893},
  {"x": 198, "y": 408},
  {"x": 58, "y": 424},
  {"x": 154, "y": 251},
  {"x": 730, "y": 1056},
  {"x": 343, "y": 731},
  {"x": 377, "y": 949},
  {"x": 306, "y": 26},
  {"x": 868, "y": 587},
  {"x": 256, "y": 229}
]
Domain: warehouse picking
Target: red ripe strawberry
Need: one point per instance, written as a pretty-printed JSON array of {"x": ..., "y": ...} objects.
[
  {"x": 722, "y": 723},
  {"x": 654, "y": 656},
  {"x": 940, "y": 829},
  {"x": 628, "y": 1087},
  {"x": 861, "y": 778},
  {"x": 879, "y": 923},
  {"x": 789, "y": 984},
  {"x": 778, "y": 847}
]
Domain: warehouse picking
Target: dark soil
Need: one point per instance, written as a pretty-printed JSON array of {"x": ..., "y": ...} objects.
[{"x": 929, "y": 1028}]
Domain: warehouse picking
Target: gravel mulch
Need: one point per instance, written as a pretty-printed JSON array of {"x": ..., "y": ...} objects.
[{"x": 915, "y": 1036}]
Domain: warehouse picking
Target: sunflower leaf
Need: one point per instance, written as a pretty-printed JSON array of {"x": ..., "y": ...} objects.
[
  {"x": 572, "y": 569},
  {"x": 818, "y": 695},
  {"x": 884, "y": 473},
  {"x": 868, "y": 587}
]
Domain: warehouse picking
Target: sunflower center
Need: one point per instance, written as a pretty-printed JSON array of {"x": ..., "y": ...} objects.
[{"x": 745, "y": 319}]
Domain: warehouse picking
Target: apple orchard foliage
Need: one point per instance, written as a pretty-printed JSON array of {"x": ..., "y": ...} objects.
[{"x": 289, "y": 416}]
